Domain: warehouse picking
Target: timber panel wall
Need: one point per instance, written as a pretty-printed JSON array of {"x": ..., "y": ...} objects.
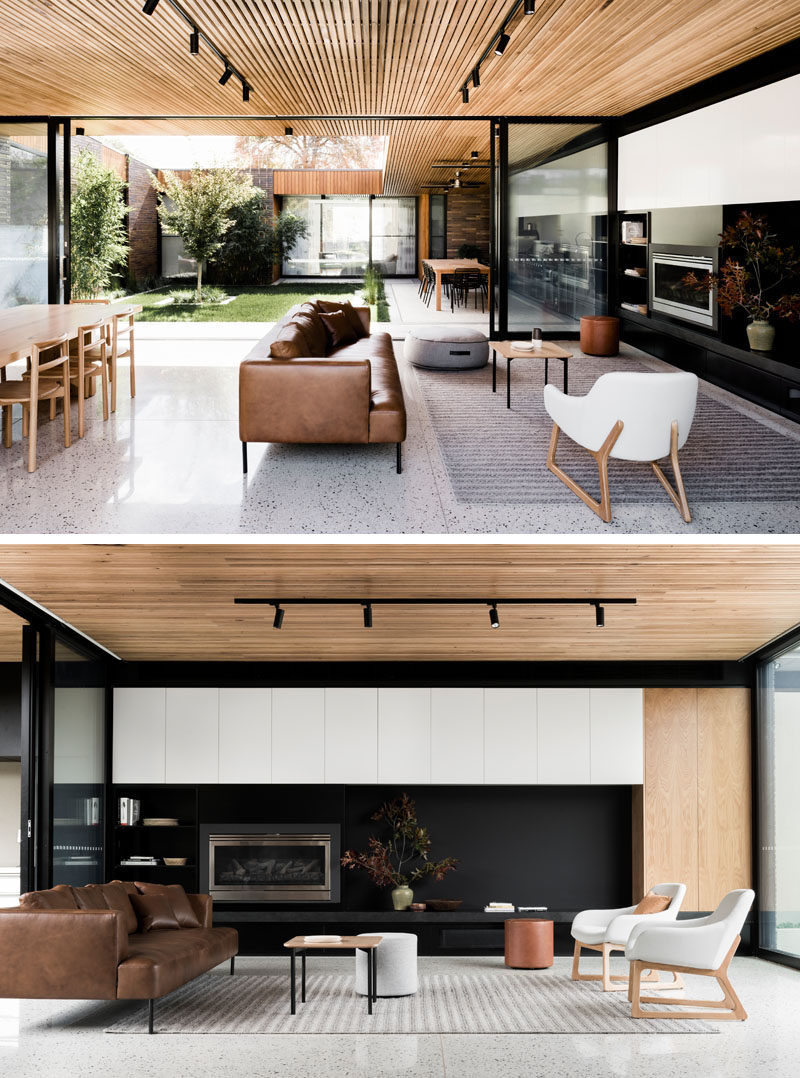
[
  {"x": 307, "y": 181},
  {"x": 693, "y": 816},
  {"x": 468, "y": 219}
]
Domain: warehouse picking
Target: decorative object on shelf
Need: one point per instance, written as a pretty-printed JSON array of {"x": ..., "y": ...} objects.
[
  {"x": 160, "y": 821},
  {"x": 443, "y": 905},
  {"x": 390, "y": 863},
  {"x": 417, "y": 907},
  {"x": 129, "y": 811},
  {"x": 757, "y": 278},
  {"x": 633, "y": 232},
  {"x": 175, "y": 861},
  {"x": 536, "y": 337}
]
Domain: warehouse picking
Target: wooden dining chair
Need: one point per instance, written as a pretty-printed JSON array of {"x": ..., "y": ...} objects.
[
  {"x": 122, "y": 347},
  {"x": 48, "y": 379},
  {"x": 88, "y": 361}
]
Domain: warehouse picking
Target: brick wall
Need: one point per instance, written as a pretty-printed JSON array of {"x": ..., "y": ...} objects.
[
  {"x": 143, "y": 258},
  {"x": 468, "y": 219}
]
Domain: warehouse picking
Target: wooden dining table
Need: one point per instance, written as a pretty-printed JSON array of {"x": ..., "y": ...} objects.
[
  {"x": 32, "y": 323},
  {"x": 442, "y": 266}
]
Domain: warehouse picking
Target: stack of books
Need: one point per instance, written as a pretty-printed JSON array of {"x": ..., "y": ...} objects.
[
  {"x": 129, "y": 811},
  {"x": 499, "y": 907},
  {"x": 140, "y": 860}
]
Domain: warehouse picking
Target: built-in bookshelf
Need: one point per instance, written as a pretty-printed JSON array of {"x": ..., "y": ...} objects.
[
  {"x": 174, "y": 840},
  {"x": 634, "y": 261}
]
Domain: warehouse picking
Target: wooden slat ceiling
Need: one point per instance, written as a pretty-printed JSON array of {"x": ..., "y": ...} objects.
[
  {"x": 176, "y": 602},
  {"x": 362, "y": 57}
]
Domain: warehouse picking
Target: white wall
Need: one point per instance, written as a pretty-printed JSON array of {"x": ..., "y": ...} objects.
[
  {"x": 418, "y": 735},
  {"x": 745, "y": 149},
  {"x": 79, "y": 735}
]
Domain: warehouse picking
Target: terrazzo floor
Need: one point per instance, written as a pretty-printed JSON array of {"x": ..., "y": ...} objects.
[
  {"x": 44, "y": 1037},
  {"x": 169, "y": 462}
]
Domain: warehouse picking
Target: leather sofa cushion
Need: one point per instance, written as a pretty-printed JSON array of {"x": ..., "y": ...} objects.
[
  {"x": 653, "y": 903},
  {"x": 90, "y": 897},
  {"x": 290, "y": 343},
  {"x": 387, "y": 412},
  {"x": 60, "y": 897},
  {"x": 159, "y": 962},
  {"x": 117, "y": 898},
  {"x": 313, "y": 330},
  {"x": 326, "y": 306},
  {"x": 338, "y": 329},
  {"x": 177, "y": 898},
  {"x": 154, "y": 912},
  {"x": 128, "y": 885}
]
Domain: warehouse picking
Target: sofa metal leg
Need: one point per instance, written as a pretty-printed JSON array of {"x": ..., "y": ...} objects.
[
  {"x": 233, "y": 959},
  {"x": 150, "y": 1010},
  {"x": 244, "y": 457},
  {"x": 399, "y": 458}
]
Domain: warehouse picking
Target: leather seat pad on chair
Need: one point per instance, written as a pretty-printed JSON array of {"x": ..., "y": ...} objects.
[{"x": 161, "y": 961}]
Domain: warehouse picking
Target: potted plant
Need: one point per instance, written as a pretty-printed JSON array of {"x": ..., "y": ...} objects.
[
  {"x": 403, "y": 858},
  {"x": 756, "y": 278}
]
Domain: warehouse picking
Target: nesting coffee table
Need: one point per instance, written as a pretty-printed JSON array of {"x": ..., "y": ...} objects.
[
  {"x": 299, "y": 945},
  {"x": 509, "y": 352}
]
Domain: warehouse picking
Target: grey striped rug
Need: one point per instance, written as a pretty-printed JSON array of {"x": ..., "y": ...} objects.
[
  {"x": 510, "y": 1001},
  {"x": 496, "y": 456}
]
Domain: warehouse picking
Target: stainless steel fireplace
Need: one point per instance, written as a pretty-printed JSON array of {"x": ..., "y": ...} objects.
[
  {"x": 287, "y": 863},
  {"x": 669, "y": 265}
]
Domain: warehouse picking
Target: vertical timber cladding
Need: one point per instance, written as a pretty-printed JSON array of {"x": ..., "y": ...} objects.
[
  {"x": 693, "y": 815},
  {"x": 468, "y": 219}
]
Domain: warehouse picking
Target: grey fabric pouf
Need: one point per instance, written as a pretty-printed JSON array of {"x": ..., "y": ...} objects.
[
  {"x": 445, "y": 348},
  {"x": 395, "y": 963}
]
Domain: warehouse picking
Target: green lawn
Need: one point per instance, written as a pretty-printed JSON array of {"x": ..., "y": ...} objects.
[{"x": 252, "y": 304}]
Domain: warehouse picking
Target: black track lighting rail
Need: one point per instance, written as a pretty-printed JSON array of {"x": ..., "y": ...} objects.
[
  {"x": 598, "y": 603},
  {"x": 197, "y": 35},
  {"x": 497, "y": 44}
]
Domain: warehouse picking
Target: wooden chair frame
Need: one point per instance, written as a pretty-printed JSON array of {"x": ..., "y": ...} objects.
[
  {"x": 120, "y": 330},
  {"x": 38, "y": 389},
  {"x": 607, "y": 977},
  {"x": 601, "y": 455},
  {"x": 728, "y": 1009}
]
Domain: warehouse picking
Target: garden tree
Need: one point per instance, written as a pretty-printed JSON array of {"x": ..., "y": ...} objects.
[
  {"x": 200, "y": 209},
  {"x": 98, "y": 238},
  {"x": 311, "y": 151},
  {"x": 255, "y": 241}
]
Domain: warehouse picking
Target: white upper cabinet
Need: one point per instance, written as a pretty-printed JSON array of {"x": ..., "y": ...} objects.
[
  {"x": 245, "y": 735},
  {"x": 564, "y": 736},
  {"x": 404, "y": 735},
  {"x": 139, "y": 749},
  {"x": 351, "y": 735},
  {"x": 298, "y": 735},
  {"x": 457, "y": 736},
  {"x": 510, "y": 736},
  {"x": 192, "y": 735},
  {"x": 617, "y": 736}
]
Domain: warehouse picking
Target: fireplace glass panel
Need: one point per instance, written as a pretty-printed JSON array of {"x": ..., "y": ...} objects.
[
  {"x": 277, "y": 866},
  {"x": 669, "y": 286}
]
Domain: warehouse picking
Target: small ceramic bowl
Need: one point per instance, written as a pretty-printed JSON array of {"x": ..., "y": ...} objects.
[
  {"x": 175, "y": 860},
  {"x": 417, "y": 907}
]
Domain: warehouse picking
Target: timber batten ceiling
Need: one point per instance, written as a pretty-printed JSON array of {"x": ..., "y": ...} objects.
[
  {"x": 365, "y": 57},
  {"x": 175, "y": 602}
]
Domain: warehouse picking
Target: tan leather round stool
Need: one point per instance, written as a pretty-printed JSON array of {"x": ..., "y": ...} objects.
[
  {"x": 599, "y": 335},
  {"x": 529, "y": 943}
]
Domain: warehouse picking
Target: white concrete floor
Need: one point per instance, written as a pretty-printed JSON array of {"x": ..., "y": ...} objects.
[{"x": 39, "y": 1038}]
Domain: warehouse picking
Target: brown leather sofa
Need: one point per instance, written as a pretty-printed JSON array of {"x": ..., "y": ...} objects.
[
  {"x": 315, "y": 379},
  {"x": 85, "y": 943}
]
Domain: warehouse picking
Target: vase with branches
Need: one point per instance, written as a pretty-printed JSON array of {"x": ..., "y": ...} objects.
[
  {"x": 403, "y": 857},
  {"x": 759, "y": 277}
]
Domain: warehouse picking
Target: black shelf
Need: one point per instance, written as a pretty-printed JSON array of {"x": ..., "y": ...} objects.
[{"x": 169, "y": 840}]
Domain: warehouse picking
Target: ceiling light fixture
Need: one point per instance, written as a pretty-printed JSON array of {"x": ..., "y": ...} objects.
[
  {"x": 530, "y": 7},
  {"x": 277, "y": 621},
  {"x": 288, "y": 130},
  {"x": 502, "y": 44},
  {"x": 599, "y": 616},
  {"x": 494, "y": 617},
  {"x": 150, "y": 6},
  {"x": 226, "y": 74},
  {"x": 465, "y": 94},
  {"x": 194, "y": 43},
  {"x": 499, "y": 41},
  {"x": 367, "y": 615},
  {"x": 474, "y": 155},
  {"x": 245, "y": 92},
  {"x": 476, "y": 77}
]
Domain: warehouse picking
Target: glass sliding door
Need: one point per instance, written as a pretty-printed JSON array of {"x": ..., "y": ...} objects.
[
  {"x": 23, "y": 213},
  {"x": 437, "y": 224},
  {"x": 779, "y": 804},
  {"x": 394, "y": 236},
  {"x": 556, "y": 225}
]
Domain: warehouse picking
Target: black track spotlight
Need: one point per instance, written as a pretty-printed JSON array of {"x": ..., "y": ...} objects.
[
  {"x": 476, "y": 77},
  {"x": 194, "y": 42},
  {"x": 494, "y": 618},
  {"x": 530, "y": 7},
  {"x": 150, "y": 6},
  {"x": 367, "y": 615},
  {"x": 465, "y": 94},
  {"x": 80, "y": 130},
  {"x": 245, "y": 92},
  {"x": 474, "y": 155},
  {"x": 277, "y": 621},
  {"x": 226, "y": 74},
  {"x": 502, "y": 44},
  {"x": 288, "y": 130},
  {"x": 599, "y": 616}
]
